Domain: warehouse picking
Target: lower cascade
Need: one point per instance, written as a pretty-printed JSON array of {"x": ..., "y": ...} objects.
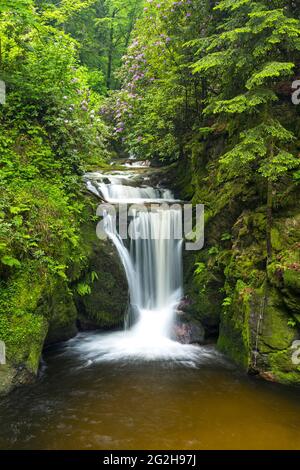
[{"x": 152, "y": 259}]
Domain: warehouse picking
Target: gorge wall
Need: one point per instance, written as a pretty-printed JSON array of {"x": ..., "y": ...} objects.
[
  {"x": 249, "y": 306},
  {"x": 46, "y": 309}
]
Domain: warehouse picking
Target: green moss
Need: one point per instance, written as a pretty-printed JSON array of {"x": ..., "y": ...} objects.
[
  {"x": 282, "y": 367},
  {"x": 203, "y": 289},
  {"x": 105, "y": 303},
  {"x": 60, "y": 309},
  {"x": 276, "y": 332},
  {"x": 7, "y": 375},
  {"x": 276, "y": 239},
  {"x": 21, "y": 328},
  {"x": 291, "y": 278},
  {"x": 234, "y": 338},
  {"x": 24, "y": 337}
]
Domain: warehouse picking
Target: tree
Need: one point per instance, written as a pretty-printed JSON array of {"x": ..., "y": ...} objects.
[
  {"x": 159, "y": 102},
  {"x": 257, "y": 46}
]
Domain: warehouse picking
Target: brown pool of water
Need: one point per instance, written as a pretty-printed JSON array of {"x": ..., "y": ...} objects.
[{"x": 148, "y": 405}]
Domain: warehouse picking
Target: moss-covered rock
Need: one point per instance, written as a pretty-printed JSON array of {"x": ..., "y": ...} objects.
[
  {"x": 101, "y": 293},
  {"x": 235, "y": 328},
  {"x": 22, "y": 327},
  {"x": 202, "y": 288},
  {"x": 40, "y": 306},
  {"x": 60, "y": 309},
  {"x": 260, "y": 322}
]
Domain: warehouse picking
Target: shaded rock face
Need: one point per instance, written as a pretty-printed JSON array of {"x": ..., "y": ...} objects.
[
  {"x": 260, "y": 325},
  {"x": 186, "y": 329},
  {"x": 186, "y": 332},
  {"x": 105, "y": 306},
  {"x": 203, "y": 298},
  {"x": 252, "y": 310},
  {"x": 53, "y": 310},
  {"x": 62, "y": 315},
  {"x": 12, "y": 377}
]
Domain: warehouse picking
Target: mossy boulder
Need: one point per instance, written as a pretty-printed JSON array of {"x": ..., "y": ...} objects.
[
  {"x": 202, "y": 291},
  {"x": 276, "y": 332},
  {"x": 235, "y": 330},
  {"x": 39, "y": 306},
  {"x": 291, "y": 279},
  {"x": 101, "y": 293},
  {"x": 284, "y": 365},
  {"x": 60, "y": 309},
  {"x": 24, "y": 337}
]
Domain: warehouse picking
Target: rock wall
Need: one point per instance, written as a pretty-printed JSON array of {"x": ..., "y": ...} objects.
[
  {"x": 105, "y": 304},
  {"x": 250, "y": 308},
  {"x": 260, "y": 323},
  {"x": 43, "y": 309}
]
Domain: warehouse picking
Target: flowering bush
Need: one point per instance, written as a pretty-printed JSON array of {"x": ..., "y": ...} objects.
[{"x": 149, "y": 111}]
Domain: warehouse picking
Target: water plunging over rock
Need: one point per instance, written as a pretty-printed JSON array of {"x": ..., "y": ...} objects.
[{"x": 153, "y": 265}]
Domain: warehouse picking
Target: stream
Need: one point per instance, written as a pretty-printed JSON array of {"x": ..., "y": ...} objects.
[
  {"x": 83, "y": 404},
  {"x": 140, "y": 388}
]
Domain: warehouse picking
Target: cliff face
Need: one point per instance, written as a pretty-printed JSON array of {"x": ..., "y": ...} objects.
[
  {"x": 251, "y": 306},
  {"x": 44, "y": 310},
  {"x": 260, "y": 322}
]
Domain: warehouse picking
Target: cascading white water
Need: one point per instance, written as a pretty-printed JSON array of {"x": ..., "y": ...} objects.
[
  {"x": 153, "y": 266},
  {"x": 117, "y": 188}
]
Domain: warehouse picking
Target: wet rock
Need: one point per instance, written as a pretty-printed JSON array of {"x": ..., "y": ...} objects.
[
  {"x": 62, "y": 315},
  {"x": 188, "y": 332},
  {"x": 104, "y": 305},
  {"x": 268, "y": 376}
]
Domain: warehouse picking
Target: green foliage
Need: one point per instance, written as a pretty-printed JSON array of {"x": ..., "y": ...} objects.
[
  {"x": 292, "y": 323},
  {"x": 214, "y": 250},
  {"x": 83, "y": 289},
  {"x": 226, "y": 236},
  {"x": 227, "y": 302},
  {"x": 156, "y": 108},
  {"x": 51, "y": 129},
  {"x": 200, "y": 267},
  {"x": 102, "y": 29}
]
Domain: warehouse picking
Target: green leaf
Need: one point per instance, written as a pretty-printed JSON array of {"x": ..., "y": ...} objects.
[
  {"x": 241, "y": 103},
  {"x": 214, "y": 60},
  {"x": 10, "y": 261},
  {"x": 232, "y": 4},
  {"x": 270, "y": 70},
  {"x": 94, "y": 276},
  {"x": 83, "y": 289},
  {"x": 200, "y": 267}
]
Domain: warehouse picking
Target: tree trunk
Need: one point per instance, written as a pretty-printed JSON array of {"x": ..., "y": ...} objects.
[{"x": 110, "y": 52}]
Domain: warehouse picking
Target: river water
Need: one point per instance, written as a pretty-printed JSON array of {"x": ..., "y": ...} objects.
[{"x": 81, "y": 403}]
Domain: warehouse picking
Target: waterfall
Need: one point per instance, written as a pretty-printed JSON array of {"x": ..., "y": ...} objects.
[
  {"x": 152, "y": 259},
  {"x": 153, "y": 265}
]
